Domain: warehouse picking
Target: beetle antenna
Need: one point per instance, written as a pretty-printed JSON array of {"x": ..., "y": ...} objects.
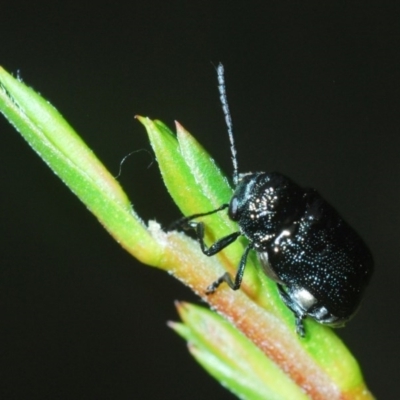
[{"x": 228, "y": 119}]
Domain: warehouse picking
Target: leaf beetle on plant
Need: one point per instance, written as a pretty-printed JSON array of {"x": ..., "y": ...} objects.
[{"x": 320, "y": 264}]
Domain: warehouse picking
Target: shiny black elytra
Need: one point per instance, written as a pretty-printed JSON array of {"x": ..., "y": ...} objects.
[{"x": 320, "y": 264}]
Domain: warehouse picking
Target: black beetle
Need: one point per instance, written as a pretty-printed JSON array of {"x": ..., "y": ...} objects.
[{"x": 320, "y": 264}]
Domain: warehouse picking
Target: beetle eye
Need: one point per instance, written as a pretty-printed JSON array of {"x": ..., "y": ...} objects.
[{"x": 233, "y": 208}]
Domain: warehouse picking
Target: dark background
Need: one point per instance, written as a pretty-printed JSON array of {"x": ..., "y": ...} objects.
[{"x": 314, "y": 93}]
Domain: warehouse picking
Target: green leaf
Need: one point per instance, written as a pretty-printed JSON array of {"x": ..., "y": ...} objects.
[
  {"x": 55, "y": 141},
  {"x": 196, "y": 185},
  {"x": 232, "y": 358}
]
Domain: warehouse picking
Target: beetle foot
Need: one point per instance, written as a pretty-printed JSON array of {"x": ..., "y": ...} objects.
[
  {"x": 213, "y": 287},
  {"x": 224, "y": 278},
  {"x": 300, "y": 326}
]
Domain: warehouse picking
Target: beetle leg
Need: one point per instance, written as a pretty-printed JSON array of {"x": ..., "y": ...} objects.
[
  {"x": 184, "y": 222},
  {"x": 299, "y": 325},
  {"x": 218, "y": 245},
  {"x": 298, "y": 314},
  {"x": 233, "y": 284}
]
